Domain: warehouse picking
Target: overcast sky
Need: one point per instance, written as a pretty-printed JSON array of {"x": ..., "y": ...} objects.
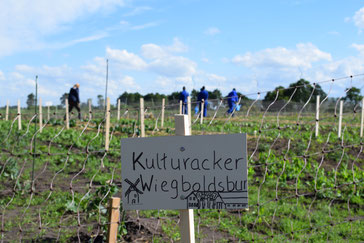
[{"x": 161, "y": 45}]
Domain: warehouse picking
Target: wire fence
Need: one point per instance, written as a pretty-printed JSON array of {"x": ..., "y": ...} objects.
[{"x": 56, "y": 182}]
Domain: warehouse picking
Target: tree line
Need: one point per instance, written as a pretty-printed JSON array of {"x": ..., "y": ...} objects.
[{"x": 301, "y": 94}]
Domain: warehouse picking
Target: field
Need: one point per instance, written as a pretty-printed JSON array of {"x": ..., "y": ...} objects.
[{"x": 56, "y": 185}]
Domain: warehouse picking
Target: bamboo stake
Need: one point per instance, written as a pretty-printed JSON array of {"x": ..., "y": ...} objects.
[
  {"x": 40, "y": 116},
  {"x": 317, "y": 115},
  {"x": 19, "y": 115},
  {"x": 142, "y": 127},
  {"x": 202, "y": 109},
  {"x": 162, "y": 116},
  {"x": 107, "y": 125},
  {"x": 67, "y": 115},
  {"x": 114, "y": 212},
  {"x": 118, "y": 109},
  {"x": 340, "y": 118},
  {"x": 362, "y": 118},
  {"x": 7, "y": 111},
  {"x": 189, "y": 113}
]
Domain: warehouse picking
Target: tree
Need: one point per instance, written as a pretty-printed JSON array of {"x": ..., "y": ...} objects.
[
  {"x": 174, "y": 96},
  {"x": 30, "y": 100},
  {"x": 301, "y": 95},
  {"x": 353, "y": 95},
  {"x": 216, "y": 94},
  {"x": 100, "y": 101},
  {"x": 63, "y": 98}
]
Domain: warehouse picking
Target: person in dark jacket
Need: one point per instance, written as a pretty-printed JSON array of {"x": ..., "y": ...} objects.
[
  {"x": 74, "y": 99},
  {"x": 183, "y": 97},
  {"x": 203, "y": 95},
  {"x": 232, "y": 99}
]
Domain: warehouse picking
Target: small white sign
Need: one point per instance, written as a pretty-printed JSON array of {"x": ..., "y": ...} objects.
[{"x": 185, "y": 172}]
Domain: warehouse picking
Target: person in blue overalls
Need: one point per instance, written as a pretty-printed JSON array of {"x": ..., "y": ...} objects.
[
  {"x": 232, "y": 99},
  {"x": 183, "y": 96},
  {"x": 203, "y": 95}
]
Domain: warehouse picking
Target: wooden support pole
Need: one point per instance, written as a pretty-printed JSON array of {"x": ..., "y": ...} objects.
[
  {"x": 67, "y": 115},
  {"x": 189, "y": 113},
  {"x": 19, "y": 115},
  {"x": 118, "y": 109},
  {"x": 186, "y": 225},
  {"x": 114, "y": 212},
  {"x": 142, "y": 127},
  {"x": 180, "y": 107},
  {"x": 340, "y": 118},
  {"x": 40, "y": 116},
  {"x": 362, "y": 118},
  {"x": 317, "y": 115},
  {"x": 48, "y": 113},
  {"x": 202, "y": 109},
  {"x": 162, "y": 116},
  {"x": 107, "y": 124},
  {"x": 7, "y": 111},
  {"x": 89, "y": 106}
]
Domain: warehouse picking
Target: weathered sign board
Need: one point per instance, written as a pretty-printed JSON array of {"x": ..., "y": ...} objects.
[{"x": 185, "y": 172}]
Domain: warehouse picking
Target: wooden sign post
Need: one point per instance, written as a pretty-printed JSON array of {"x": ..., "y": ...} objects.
[
  {"x": 114, "y": 212},
  {"x": 19, "y": 115},
  {"x": 40, "y": 116},
  {"x": 67, "y": 115},
  {"x": 107, "y": 124},
  {"x": 187, "y": 224}
]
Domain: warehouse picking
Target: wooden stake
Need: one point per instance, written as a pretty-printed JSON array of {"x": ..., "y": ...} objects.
[
  {"x": 48, "y": 113},
  {"x": 162, "y": 116},
  {"x": 118, "y": 109},
  {"x": 19, "y": 116},
  {"x": 362, "y": 118},
  {"x": 189, "y": 113},
  {"x": 67, "y": 115},
  {"x": 340, "y": 118},
  {"x": 40, "y": 116},
  {"x": 114, "y": 212},
  {"x": 202, "y": 109},
  {"x": 7, "y": 111},
  {"x": 107, "y": 125},
  {"x": 317, "y": 114},
  {"x": 186, "y": 225},
  {"x": 180, "y": 107},
  {"x": 142, "y": 127}
]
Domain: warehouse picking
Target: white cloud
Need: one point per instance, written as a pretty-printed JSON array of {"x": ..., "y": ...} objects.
[
  {"x": 33, "y": 21},
  {"x": 301, "y": 57},
  {"x": 153, "y": 51},
  {"x": 358, "y": 47},
  {"x": 212, "y": 31},
  {"x": 126, "y": 59},
  {"x": 138, "y": 11},
  {"x": 177, "y": 46},
  {"x": 358, "y": 18},
  {"x": 2, "y": 76},
  {"x": 144, "y": 26},
  {"x": 173, "y": 66}
]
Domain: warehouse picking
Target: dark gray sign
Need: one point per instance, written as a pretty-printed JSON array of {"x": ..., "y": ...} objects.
[{"x": 185, "y": 172}]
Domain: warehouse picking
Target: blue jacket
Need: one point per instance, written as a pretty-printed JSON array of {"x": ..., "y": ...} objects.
[
  {"x": 203, "y": 95},
  {"x": 232, "y": 97},
  {"x": 183, "y": 96},
  {"x": 74, "y": 95}
]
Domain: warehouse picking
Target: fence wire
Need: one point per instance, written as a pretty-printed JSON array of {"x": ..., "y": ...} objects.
[{"x": 302, "y": 187}]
